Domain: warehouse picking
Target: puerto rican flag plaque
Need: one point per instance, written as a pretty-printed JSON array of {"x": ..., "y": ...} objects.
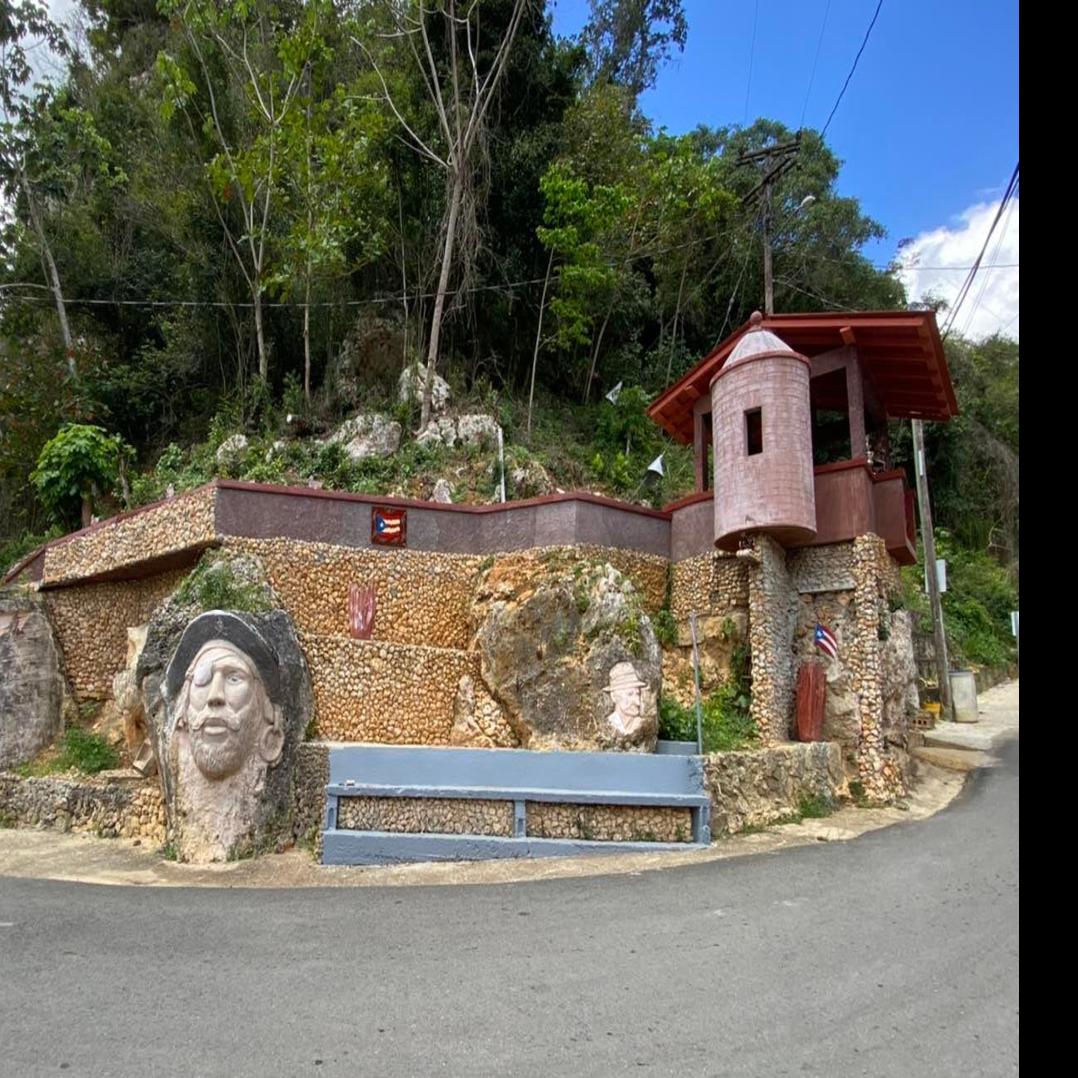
[{"x": 389, "y": 527}]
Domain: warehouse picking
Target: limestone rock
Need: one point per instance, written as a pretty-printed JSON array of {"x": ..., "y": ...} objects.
[
  {"x": 411, "y": 383},
  {"x": 232, "y": 450},
  {"x": 478, "y": 430},
  {"x": 438, "y": 432},
  {"x": 442, "y": 492},
  {"x": 530, "y": 480},
  {"x": 369, "y": 434},
  {"x": 31, "y": 684},
  {"x": 569, "y": 654}
]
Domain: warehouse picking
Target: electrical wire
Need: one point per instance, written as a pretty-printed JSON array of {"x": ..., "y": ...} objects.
[
  {"x": 815, "y": 61},
  {"x": 842, "y": 92},
  {"x": 963, "y": 292}
]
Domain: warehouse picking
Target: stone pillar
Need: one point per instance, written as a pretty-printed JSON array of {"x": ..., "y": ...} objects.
[
  {"x": 880, "y": 773},
  {"x": 772, "y": 618}
]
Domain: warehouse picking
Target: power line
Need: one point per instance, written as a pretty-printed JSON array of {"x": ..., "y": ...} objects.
[
  {"x": 995, "y": 254},
  {"x": 842, "y": 92},
  {"x": 815, "y": 61},
  {"x": 963, "y": 292},
  {"x": 752, "y": 56}
]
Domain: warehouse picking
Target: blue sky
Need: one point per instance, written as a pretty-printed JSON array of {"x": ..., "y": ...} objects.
[{"x": 927, "y": 130}]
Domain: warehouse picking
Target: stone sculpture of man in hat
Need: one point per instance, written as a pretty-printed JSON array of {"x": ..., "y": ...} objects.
[
  {"x": 225, "y": 731},
  {"x": 626, "y": 691}
]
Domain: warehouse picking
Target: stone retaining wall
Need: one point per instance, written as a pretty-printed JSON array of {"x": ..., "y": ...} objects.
[
  {"x": 91, "y": 622},
  {"x": 164, "y": 528},
  {"x": 426, "y": 815},
  {"x": 608, "y": 823},
  {"x": 753, "y": 789},
  {"x": 422, "y": 597},
  {"x": 120, "y": 809},
  {"x": 391, "y": 693},
  {"x": 715, "y": 584}
]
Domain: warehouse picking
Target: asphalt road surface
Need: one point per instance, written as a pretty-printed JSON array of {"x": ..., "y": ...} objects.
[{"x": 894, "y": 954}]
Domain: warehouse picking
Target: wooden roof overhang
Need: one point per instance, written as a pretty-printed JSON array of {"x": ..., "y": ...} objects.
[{"x": 900, "y": 351}]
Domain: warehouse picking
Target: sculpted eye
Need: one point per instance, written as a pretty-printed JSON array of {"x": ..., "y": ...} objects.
[{"x": 236, "y": 678}]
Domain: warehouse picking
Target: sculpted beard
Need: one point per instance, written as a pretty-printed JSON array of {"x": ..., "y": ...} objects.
[{"x": 224, "y": 753}]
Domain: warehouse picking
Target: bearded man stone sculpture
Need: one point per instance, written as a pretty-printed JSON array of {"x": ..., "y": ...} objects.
[{"x": 225, "y": 732}]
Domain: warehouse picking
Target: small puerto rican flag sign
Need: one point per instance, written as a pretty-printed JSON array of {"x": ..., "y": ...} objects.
[
  {"x": 825, "y": 641},
  {"x": 389, "y": 527}
]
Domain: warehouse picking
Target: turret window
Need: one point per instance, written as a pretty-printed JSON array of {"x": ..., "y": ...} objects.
[{"x": 754, "y": 432}]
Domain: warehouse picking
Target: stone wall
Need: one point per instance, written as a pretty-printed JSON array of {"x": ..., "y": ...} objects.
[
  {"x": 426, "y": 815},
  {"x": 121, "y": 809},
  {"x": 391, "y": 693},
  {"x": 422, "y": 598},
  {"x": 822, "y": 568},
  {"x": 753, "y": 789},
  {"x": 872, "y": 684},
  {"x": 608, "y": 823},
  {"x": 309, "y": 778},
  {"x": 772, "y": 616},
  {"x": 714, "y": 584},
  {"x": 165, "y": 528},
  {"x": 881, "y": 773},
  {"x": 92, "y": 620}
]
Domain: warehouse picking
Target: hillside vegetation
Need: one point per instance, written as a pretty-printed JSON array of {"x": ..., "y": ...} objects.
[{"x": 227, "y": 218}]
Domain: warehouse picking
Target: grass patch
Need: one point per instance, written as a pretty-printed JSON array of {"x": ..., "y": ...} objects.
[
  {"x": 7, "y": 821},
  {"x": 79, "y": 750},
  {"x": 814, "y": 807}
]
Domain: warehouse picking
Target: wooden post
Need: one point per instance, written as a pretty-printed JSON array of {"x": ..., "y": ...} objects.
[{"x": 938, "y": 637}]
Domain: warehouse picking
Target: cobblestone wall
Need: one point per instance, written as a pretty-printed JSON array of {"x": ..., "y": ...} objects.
[
  {"x": 393, "y": 693},
  {"x": 711, "y": 584},
  {"x": 110, "y": 809},
  {"x": 437, "y": 815},
  {"x": 158, "y": 530},
  {"x": 772, "y": 615},
  {"x": 91, "y": 622},
  {"x": 609, "y": 823}
]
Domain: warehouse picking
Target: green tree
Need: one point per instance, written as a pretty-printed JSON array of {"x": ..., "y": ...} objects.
[
  {"x": 79, "y": 465},
  {"x": 628, "y": 40}
]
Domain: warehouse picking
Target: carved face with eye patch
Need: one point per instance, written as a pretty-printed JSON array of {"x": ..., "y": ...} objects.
[{"x": 227, "y": 714}]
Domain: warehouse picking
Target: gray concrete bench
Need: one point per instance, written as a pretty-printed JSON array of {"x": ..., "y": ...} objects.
[{"x": 518, "y": 776}]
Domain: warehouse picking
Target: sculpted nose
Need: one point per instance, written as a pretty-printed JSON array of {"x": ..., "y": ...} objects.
[{"x": 216, "y": 696}]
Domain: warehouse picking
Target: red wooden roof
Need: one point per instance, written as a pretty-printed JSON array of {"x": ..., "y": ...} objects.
[{"x": 901, "y": 356}]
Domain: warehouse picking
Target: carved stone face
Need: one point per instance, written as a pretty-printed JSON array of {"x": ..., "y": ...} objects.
[
  {"x": 227, "y": 714},
  {"x": 628, "y": 703}
]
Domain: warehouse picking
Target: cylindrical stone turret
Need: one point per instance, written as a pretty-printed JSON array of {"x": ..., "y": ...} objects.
[{"x": 762, "y": 424}]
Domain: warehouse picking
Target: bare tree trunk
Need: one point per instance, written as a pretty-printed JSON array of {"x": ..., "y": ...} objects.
[
  {"x": 538, "y": 338},
  {"x": 595, "y": 351},
  {"x": 307, "y": 339},
  {"x": 263, "y": 359},
  {"x": 439, "y": 298},
  {"x": 673, "y": 330},
  {"x": 53, "y": 273}
]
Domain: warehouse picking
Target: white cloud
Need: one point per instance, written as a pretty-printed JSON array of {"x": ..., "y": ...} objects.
[{"x": 992, "y": 303}]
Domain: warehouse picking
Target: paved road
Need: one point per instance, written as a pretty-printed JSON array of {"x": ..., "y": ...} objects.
[{"x": 895, "y": 954}]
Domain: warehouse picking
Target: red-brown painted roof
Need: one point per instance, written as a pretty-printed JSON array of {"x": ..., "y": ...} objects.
[{"x": 901, "y": 355}]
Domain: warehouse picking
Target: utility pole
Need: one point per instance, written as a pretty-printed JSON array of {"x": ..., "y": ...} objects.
[
  {"x": 778, "y": 160},
  {"x": 929, "y": 537}
]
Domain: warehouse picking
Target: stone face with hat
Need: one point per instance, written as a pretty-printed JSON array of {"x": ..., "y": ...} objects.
[
  {"x": 634, "y": 713},
  {"x": 231, "y": 705}
]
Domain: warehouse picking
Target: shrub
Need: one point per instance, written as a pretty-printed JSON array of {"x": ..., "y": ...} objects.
[{"x": 86, "y": 751}]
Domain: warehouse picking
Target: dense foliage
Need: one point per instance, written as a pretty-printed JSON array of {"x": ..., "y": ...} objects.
[{"x": 210, "y": 207}]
